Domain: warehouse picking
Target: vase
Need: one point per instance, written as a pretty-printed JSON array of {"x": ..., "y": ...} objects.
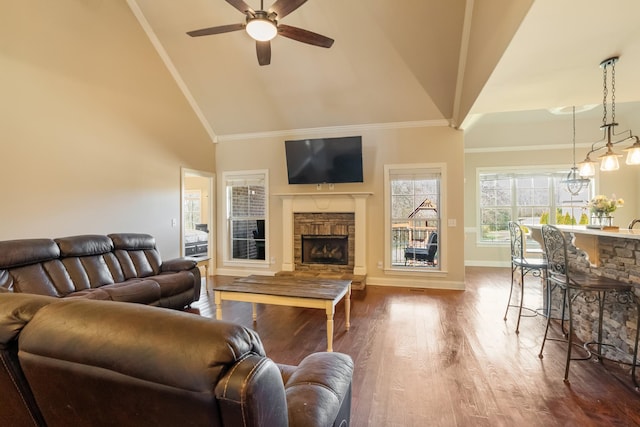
[{"x": 602, "y": 220}]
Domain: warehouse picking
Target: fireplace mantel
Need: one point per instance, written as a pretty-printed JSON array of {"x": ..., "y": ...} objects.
[{"x": 355, "y": 202}]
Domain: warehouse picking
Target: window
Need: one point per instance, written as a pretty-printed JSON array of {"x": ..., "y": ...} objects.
[
  {"x": 246, "y": 215},
  {"x": 192, "y": 209},
  {"x": 414, "y": 210},
  {"x": 527, "y": 197}
]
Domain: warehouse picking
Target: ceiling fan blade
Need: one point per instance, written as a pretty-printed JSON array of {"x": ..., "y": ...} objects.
[
  {"x": 216, "y": 30},
  {"x": 241, "y": 6},
  {"x": 304, "y": 36},
  {"x": 284, "y": 7},
  {"x": 263, "y": 49}
]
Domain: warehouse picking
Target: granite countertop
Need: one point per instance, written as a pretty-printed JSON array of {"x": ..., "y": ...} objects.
[{"x": 623, "y": 233}]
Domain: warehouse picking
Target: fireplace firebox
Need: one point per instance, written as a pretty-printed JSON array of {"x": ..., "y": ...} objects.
[{"x": 318, "y": 249}]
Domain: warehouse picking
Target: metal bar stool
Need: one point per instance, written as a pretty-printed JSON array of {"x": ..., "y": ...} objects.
[
  {"x": 536, "y": 266},
  {"x": 592, "y": 288}
]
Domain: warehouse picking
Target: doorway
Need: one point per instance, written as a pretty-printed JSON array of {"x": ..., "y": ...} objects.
[{"x": 197, "y": 214}]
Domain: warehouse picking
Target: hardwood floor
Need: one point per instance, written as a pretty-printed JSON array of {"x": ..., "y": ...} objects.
[{"x": 446, "y": 358}]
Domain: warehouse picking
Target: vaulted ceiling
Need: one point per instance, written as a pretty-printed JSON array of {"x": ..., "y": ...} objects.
[{"x": 465, "y": 63}]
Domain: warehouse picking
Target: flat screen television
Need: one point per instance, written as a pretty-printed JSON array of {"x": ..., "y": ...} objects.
[{"x": 324, "y": 160}]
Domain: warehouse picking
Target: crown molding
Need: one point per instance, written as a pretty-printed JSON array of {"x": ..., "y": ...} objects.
[
  {"x": 524, "y": 148},
  {"x": 324, "y": 131}
]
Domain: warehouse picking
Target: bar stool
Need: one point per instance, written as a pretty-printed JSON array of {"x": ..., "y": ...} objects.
[
  {"x": 536, "y": 266},
  {"x": 572, "y": 284}
]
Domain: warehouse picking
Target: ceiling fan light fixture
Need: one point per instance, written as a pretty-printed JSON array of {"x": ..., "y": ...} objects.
[{"x": 261, "y": 28}]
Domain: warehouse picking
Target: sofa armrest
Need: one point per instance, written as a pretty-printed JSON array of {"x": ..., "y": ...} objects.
[
  {"x": 319, "y": 391},
  {"x": 178, "y": 264},
  {"x": 251, "y": 394}
]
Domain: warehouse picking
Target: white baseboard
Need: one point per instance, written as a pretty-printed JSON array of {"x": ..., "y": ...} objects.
[
  {"x": 415, "y": 283},
  {"x": 472, "y": 263}
]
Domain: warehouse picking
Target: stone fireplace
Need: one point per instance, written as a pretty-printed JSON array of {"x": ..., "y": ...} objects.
[
  {"x": 324, "y": 215},
  {"x": 324, "y": 241}
]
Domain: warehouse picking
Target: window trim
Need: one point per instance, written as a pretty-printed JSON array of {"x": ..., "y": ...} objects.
[
  {"x": 227, "y": 259},
  {"x": 440, "y": 168}
]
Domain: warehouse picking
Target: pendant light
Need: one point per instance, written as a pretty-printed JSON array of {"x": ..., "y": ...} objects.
[
  {"x": 609, "y": 160},
  {"x": 574, "y": 182}
]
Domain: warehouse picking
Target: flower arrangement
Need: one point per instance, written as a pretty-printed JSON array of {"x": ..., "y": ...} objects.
[{"x": 603, "y": 206}]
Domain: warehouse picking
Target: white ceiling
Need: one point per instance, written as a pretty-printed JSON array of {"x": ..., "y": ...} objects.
[{"x": 476, "y": 64}]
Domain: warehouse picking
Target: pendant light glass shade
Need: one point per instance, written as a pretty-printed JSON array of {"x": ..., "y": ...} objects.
[
  {"x": 633, "y": 153},
  {"x": 587, "y": 168},
  {"x": 609, "y": 161}
]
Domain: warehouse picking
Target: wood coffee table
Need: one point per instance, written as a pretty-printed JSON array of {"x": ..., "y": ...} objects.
[{"x": 288, "y": 291}]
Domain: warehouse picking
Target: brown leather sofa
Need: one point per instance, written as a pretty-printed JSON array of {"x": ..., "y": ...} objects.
[
  {"x": 78, "y": 362},
  {"x": 121, "y": 267}
]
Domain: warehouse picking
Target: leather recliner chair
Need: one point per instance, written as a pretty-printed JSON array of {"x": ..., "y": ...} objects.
[{"x": 98, "y": 363}]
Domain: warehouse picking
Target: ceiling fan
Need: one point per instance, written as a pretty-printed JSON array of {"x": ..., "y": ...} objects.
[{"x": 262, "y": 25}]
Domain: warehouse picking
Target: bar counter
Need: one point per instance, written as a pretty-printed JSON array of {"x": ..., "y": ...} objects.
[
  {"x": 592, "y": 241},
  {"x": 613, "y": 253}
]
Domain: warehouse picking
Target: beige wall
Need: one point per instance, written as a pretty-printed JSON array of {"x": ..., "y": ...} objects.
[
  {"x": 623, "y": 183},
  {"x": 93, "y": 128},
  {"x": 380, "y": 147},
  {"x": 202, "y": 184}
]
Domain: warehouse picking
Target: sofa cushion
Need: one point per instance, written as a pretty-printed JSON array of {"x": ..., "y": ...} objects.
[
  {"x": 16, "y": 253},
  {"x": 25, "y": 259},
  {"x": 32, "y": 279},
  {"x": 88, "y": 244},
  {"x": 89, "y": 260},
  {"x": 96, "y": 294},
  {"x": 137, "y": 254},
  {"x": 132, "y": 241},
  {"x": 139, "y": 291}
]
